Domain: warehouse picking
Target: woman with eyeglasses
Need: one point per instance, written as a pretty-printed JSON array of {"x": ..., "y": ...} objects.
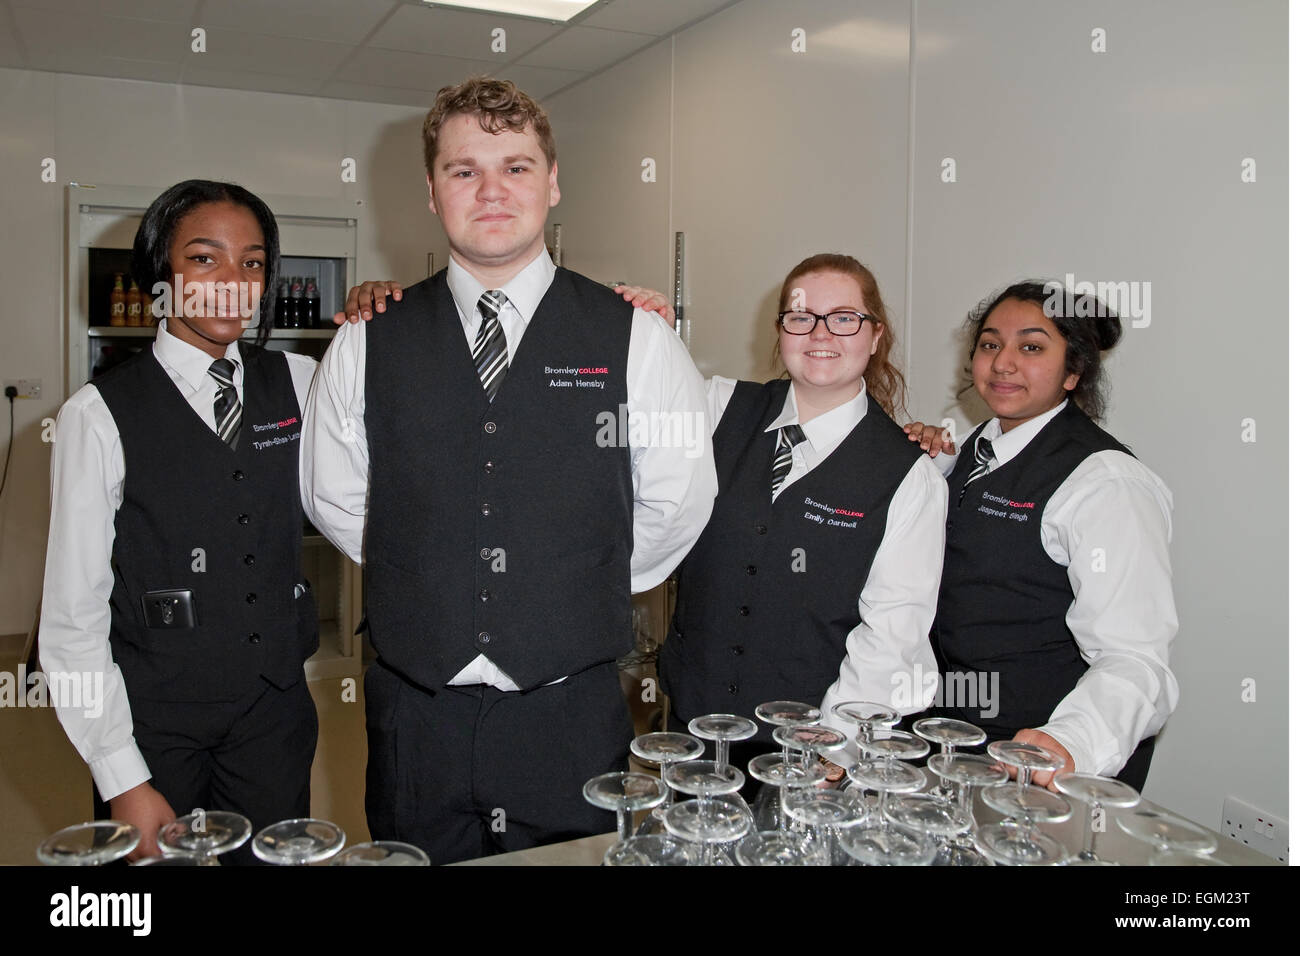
[{"x": 816, "y": 577}]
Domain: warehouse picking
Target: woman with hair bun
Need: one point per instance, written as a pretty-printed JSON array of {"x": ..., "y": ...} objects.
[{"x": 1056, "y": 606}]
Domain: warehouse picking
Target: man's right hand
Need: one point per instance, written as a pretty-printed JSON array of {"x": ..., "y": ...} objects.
[
  {"x": 364, "y": 298},
  {"x": 147, "y": 810}
]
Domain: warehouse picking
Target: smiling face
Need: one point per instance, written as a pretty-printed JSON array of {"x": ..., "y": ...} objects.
[
  {"x": 1019, "y": 363},
  {"x": 216, "y": 244},
  {"x": 492, "y": 192},
  {"x": 827, "y": 369}
]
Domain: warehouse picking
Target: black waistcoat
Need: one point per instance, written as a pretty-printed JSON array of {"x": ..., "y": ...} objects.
[
  {"x": 500, "y": 528},
  {"x": 769, "y": 593},
  {"x": 226, "y": 524},
  {"x": 1002, "y": 600}
]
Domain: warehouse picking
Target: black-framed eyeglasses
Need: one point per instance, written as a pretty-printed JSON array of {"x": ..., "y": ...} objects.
[{"x": 843, "y": 322}]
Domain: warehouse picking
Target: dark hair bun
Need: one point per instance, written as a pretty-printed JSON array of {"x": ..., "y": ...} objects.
[{"x": 1109, "y": 330}]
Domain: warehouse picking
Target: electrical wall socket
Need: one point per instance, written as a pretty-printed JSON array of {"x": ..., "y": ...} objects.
[
  {"x": 1252, "y": 827},
  {"x": 27, "y": 387}
]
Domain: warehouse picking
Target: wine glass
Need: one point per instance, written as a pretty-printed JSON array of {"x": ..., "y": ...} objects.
[
  {"x": 778, "y": 774},
  {"x": 89, "y": 844},
  {"x": 870, "y": 717},
  {"x": 949, "y": 733},
  {"x": 966, "y": 772},
  {"x": 710, "y": 817},
  {"x": 881, "y": 842},
  {"x": 1167, "y": 834},
  {"x": 664, "y": 749},
  {"x": 722, "y": 729},
  {"x": 824, "y": 811},
  {"x": 882, "y": 750},
  {"x": 207, "y": 833},
  {"x": 382, "y": 853},
  {"x": 656, "y": 849},
  {"x": 624, "y": 793},
  {"x": 298, "y": 842},
  {"x": 711, "y": 820},
  {"x": 776, "y": 848},
  {"x": 1017, "y": 841},
  {"x": 936, "y": 816},
  {"x": 1096, "y": 792},
  {"x": 772, "y": 770}
]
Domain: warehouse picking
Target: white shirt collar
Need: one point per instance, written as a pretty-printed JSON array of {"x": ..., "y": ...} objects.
[
  {"x": 189, "y": 361},
  {"x": 1006, "y": 445},
  {"x": 828, "y": 429},
  {"x": 525, "y": 290}
]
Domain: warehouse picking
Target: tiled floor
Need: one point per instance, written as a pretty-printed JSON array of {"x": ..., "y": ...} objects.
[{"x": 44, "y": 785}]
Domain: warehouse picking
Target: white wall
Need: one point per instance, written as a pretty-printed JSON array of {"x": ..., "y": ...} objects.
[
  {"x": 1116, "y": 166},
  {"x": 133, "y": 133}
]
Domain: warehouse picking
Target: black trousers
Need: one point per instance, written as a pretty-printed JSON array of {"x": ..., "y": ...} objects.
[
  {"x": 466, "y": 772},
  {"x": 252, "y": 756}
]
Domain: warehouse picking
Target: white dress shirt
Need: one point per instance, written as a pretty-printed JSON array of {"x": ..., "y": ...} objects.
[
  {"x": 87, "y": 470},
  {"x": 888, "y": 658},
  {"x": 672, "y": 487},
  {"x": 1122, "y": 617}
]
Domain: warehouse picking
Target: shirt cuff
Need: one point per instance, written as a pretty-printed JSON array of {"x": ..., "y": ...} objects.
[
  {"x": 1086, "y": 759},
  {"x": 119, "y": 772}
]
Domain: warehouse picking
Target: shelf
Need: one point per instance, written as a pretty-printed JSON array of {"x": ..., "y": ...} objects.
[{"x": 149, "y": 331}]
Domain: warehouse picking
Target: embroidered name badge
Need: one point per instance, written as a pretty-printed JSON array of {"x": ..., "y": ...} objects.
[
  {"x": 566, "y": 376},
  {"x": 271, "y": 434},
  {"x": 996, "y": 506},
  {"x": 831, "y": 516}
]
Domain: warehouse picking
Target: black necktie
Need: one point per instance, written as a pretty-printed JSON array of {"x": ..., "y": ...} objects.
[
  {"x": 983, "y": 456},
  {"x": 791, "y": 435},
  {"x": 491, "y": 356},
  {"x": 226, "y": 408}
]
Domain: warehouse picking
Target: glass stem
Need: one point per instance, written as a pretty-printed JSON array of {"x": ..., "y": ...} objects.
[
  {"x": 721, "y": 752},
  {"x": 624, "y": 824}
]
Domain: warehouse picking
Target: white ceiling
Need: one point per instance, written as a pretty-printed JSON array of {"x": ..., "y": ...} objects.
[{"x": 379, "y": 51}]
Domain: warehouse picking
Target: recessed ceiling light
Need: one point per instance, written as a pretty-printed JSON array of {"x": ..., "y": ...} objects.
[{"x": 560, "y": 10}]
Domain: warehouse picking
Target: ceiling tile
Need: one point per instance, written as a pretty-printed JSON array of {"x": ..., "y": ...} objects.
[
  {"x": 412, "y": 71},
  {"x": 536, "y": 81},
  {"x": 53, "y": 32},
  {"x": 343, "y": 90},
  {"x": 342, "y": 21},
  {"x": 108, "y": 66},
  {"x": 436, "y": 30},
  {"x": 586, "y": 48},
  {"x": 277, "y": 56},
  {"x": 168, "y": 11},
  {"x": 660, "y": 18},
  {"x": 249, "y": 80}
]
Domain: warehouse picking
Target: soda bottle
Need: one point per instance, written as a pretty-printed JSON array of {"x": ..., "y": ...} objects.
[
  {"x": 133, "y": 305},
  {"x": 311, "y": 298},
  {"x": 117, "y": 302}
]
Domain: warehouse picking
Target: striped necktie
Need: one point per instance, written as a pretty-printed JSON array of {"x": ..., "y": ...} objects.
[
  {"x": 791, "y": 435},
  {"x": 983, "y": 459},
  {"x": 226, "y": 408},
  {"x": 491, "y": 356}
]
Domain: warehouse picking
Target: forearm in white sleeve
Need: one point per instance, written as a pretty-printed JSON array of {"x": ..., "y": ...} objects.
[
  {"x": 86, "y": 475},
  {"x": 335, "y": 459},
  {"x": 673, "y": 480},
  {"x": 888, "y": 657},
  {"x": 1114, "y": 519}
]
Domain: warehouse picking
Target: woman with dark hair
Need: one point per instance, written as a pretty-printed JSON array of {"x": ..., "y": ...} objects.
[
  {"x": 816, "y": 577},
  {"x": 173, "y": 570},
  {"x": 1057, "y": 605}
]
